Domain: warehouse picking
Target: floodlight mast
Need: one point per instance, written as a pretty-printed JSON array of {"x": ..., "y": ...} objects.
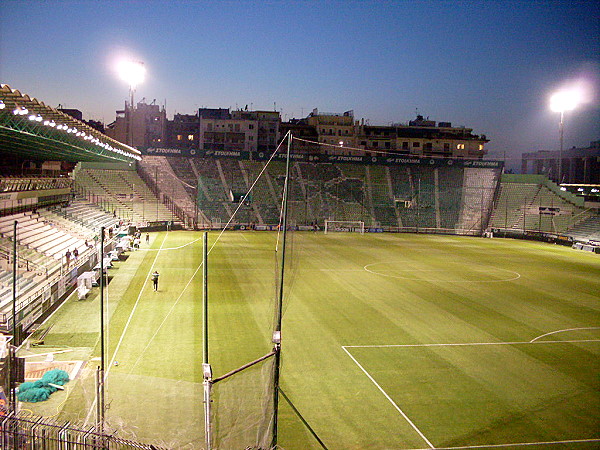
[
  {"x": 560, "y": 102},
  {"x": 133, "y": 73}
]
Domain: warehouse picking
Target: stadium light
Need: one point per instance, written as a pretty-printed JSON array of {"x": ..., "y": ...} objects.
[
  {"x": 561, "y": 101},
  {"x": 132, "y": 72}
]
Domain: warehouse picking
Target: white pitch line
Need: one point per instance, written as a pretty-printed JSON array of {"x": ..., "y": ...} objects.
[
  {"x": 467, "y": 344},
  {"x": 518, "y": 275},
  {"x": 516, "y": 444},
  {"x": 390, "y": 400},
  {"x": 562, "y": 331}
]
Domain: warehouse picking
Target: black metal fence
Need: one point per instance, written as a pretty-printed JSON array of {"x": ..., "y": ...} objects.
[{"x": 27, "y": 432}]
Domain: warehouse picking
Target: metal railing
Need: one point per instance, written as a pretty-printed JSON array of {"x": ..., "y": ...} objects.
[{"x": 29, "y": 432}]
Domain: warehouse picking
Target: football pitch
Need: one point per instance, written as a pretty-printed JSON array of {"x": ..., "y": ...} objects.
[{"x": 389, "y": 341}]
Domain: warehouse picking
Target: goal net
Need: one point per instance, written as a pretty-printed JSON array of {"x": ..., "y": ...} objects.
[{"x": 356, "y": 226}]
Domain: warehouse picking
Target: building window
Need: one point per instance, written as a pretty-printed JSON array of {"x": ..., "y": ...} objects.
[
  {"x": 179, "y": 137},
  {"x": 460, "y": 146},
  {"x": 387, "y": 145},
  {"x": 250, "y": 138},
  {"x": 251, "y": 127},
  {"x": 237, "y": 127},
  {"x": 405, "y": 146},
  {"x": 416, "y": 144},
  {"x": 446, "y": 146},
  {"x": 190, "y": 137},
  {"x": 480, "y": 146}
]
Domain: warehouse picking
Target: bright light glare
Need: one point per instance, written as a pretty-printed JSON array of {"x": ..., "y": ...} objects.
[
  {"x": 132, "y": 72},
  {"x": 565, "y": 100}
]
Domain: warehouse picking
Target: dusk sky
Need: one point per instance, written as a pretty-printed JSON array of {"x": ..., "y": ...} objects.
[{"x": 488, "y": 65}]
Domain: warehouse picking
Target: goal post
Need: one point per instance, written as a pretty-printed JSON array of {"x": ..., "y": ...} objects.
[{"x": 356, "y": 226}]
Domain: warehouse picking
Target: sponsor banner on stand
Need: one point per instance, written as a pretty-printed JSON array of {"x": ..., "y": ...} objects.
[{"x": 302, "y": 157}]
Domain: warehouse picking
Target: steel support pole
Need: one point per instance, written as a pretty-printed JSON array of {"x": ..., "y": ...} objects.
[
  {"x": 207, "y": 372},
  {"x": 277, "y": 330},
  {"x": 16, "y": 338},
  {"x": 101, "y": 404}
]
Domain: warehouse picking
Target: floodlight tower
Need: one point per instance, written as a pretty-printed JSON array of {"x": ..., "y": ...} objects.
[
  {"x": 133, "y": 73},
  {"x": 561, "y": 101}
]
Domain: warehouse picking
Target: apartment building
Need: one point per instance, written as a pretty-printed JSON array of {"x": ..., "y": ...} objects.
[
  {"x": 218, "y": 130},
  {"x": 268, "y": 127},
  {"x": 139, "y": 126},
  {"x": 337, "y": 130},
  {"x": 423, "y": 137}
]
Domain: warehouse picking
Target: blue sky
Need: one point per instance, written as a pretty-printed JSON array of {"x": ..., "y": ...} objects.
[{"x": 488, "y": 65}]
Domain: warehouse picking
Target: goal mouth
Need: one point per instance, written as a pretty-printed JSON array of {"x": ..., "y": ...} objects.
[{"x": 348, "y": 226}]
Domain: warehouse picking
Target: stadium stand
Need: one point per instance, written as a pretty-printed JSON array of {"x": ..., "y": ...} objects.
[
  {"x": 534, "y": 203},
  {"x": 121, "y": 192},
  {"x": 479, "y": 187},
  {"x": 452, "y": 199},
  {"x": 588, "y": 230}
]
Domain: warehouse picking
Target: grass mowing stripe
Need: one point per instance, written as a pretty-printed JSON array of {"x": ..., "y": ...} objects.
[
  {"x": 93, "y": 406},
  {"x": 390, "y": 400}
]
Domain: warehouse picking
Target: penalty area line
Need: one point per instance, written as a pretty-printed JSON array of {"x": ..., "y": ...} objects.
[
  {"x": 471, "y": 344},
  {"x": 390, "y": 399},
  {"x": 516, "y": 444}
]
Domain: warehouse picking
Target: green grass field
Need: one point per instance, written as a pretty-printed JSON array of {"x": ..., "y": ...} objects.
[{"x": 389, "y": 341}]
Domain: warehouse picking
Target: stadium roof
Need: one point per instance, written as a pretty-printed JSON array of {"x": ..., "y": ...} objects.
[{"x": 30, "y": 128}]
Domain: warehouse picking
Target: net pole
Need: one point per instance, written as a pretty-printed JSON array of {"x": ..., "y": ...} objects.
[
  {"x": 16, "y": 339},
  {"x": 207, "y": 372},
  {"x": 205, "y": 296},
  {"x": 12, "y": 394},
  {"x": 102, "y": 350},
  {"x": 277, "y": 331}
]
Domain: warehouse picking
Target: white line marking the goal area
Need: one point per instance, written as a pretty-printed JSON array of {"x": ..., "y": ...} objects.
[{"x": 467, "y": 344}]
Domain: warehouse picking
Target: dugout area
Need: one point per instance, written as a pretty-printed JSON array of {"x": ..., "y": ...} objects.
[{"x": 388, "y": 341}]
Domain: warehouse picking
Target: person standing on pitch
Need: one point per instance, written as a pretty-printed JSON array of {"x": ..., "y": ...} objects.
[{"x": 155, "y": 280}]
